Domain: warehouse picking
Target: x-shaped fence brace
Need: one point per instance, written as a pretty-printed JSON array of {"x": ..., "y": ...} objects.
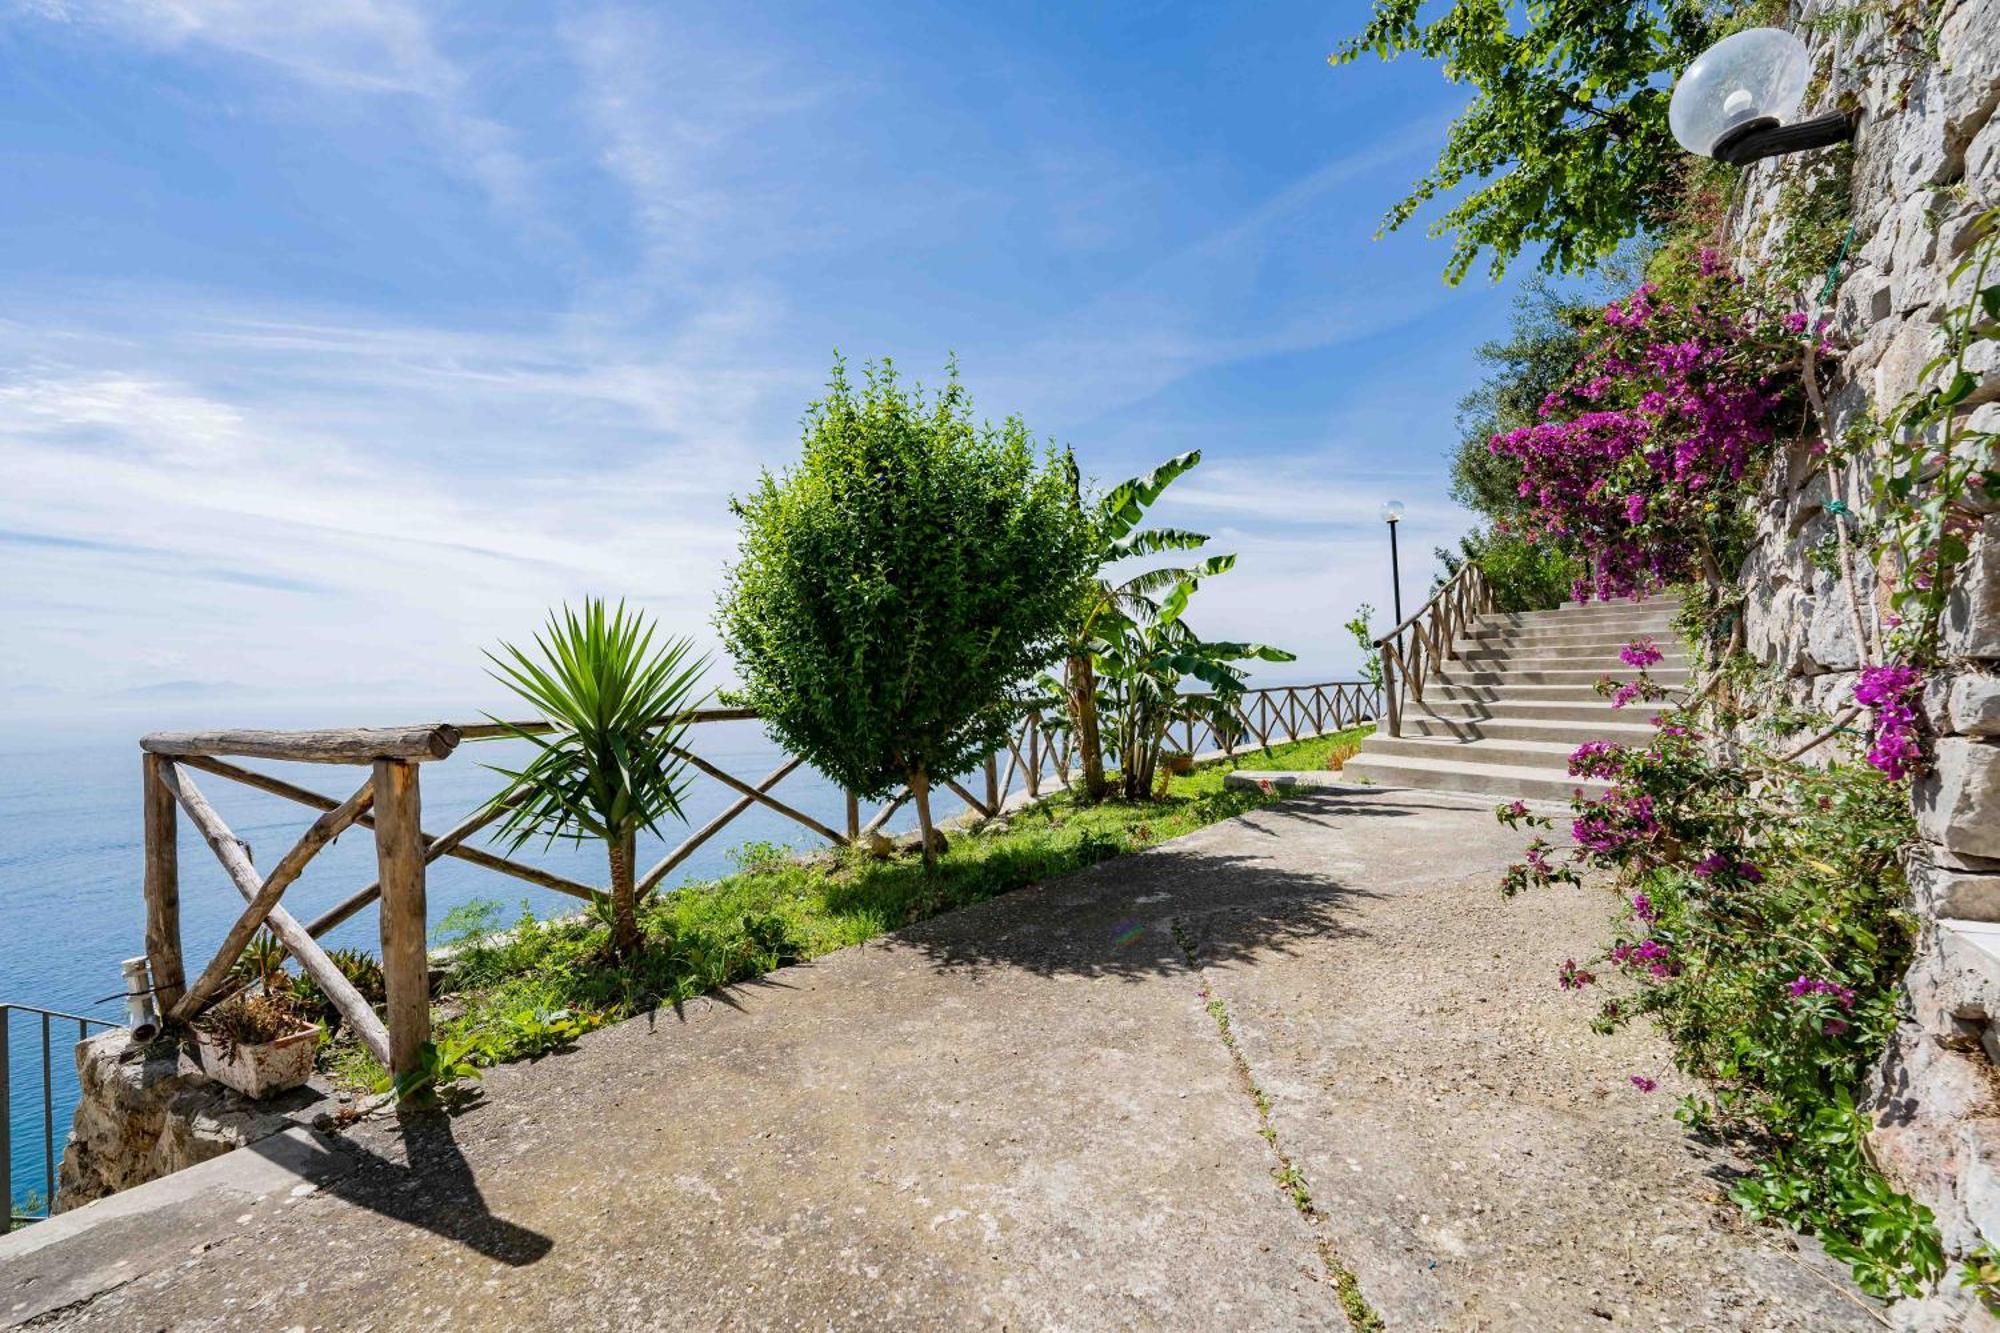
[{"x": 1035, "y": 753}]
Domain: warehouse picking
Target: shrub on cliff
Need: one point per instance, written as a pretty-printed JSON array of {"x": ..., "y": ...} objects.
[{"x": 895, "y": 587}]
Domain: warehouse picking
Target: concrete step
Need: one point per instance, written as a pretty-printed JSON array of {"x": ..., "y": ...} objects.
[
  {"x": 1656, "y": 601},
  {"x": 1568, "y": 733},
  {"x": 1501, "y": 781},
  {"x": 1588, "y": 618},
  {"x": 1463, "y": 673},
  {"x": 1454, "y": 692},
  {"x": 1542, "y": 656},
  {"x": 1552, "y": 755},
  {"x": 1534, "y": 710},
  {"x": 1613, "y": 635}
]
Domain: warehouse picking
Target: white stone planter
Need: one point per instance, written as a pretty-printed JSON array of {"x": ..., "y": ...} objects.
[{"x": 264, "y": 1069}]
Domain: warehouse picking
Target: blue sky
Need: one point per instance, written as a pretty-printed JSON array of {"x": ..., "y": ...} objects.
[{"x": 338, "y": 340}]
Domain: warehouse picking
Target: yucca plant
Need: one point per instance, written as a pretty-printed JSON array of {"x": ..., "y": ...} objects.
[{"x": 613, "y": 762}]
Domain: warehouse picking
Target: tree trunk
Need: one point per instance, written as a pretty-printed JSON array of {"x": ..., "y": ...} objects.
[
  {"x": 920, "y": 787},
  {"x": 1083, "y": 725},
  {"x": 624, "y": 900}
]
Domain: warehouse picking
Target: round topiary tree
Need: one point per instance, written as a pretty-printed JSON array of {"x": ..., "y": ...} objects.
[{"x": 895, "y": 588}]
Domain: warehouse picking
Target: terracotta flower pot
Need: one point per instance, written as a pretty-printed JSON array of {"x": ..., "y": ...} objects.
[{"x": 1179, "y": 765}]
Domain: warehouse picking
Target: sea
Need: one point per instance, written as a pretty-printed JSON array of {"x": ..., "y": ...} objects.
[{"x": 71, "y": 906}]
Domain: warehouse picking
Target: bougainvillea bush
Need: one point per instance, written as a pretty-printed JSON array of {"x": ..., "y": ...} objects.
[
  {"x": 1644, "y": 457},
  {"x": 1763, "y": 933}
]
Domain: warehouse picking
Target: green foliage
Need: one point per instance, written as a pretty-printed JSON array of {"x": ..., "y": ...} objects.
[
  {"x": 1524, "y": 575},
  {"x": 895, "y": 589},
  {"x": 1363, "y": 635},
  {"x": 1112, "y": 603},
  {"x": 1932, "y": 471},
  {"x": 1143, "y": 653},
  {"x": 1131, "y": 649},
  {"x": 472, "y": 920},
  {"x": 1767, "y": 939},
  {"x": 1565, "y": 145},
  {"x": 613, "y": 763},
  {"x": 521, "y": 993},
  {"x": 1546, "y": 340},
  {"x": 1816, "y": 205}
]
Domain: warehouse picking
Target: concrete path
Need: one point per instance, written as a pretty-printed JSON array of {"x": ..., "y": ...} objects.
[{"x": 1252, "y": 1079}]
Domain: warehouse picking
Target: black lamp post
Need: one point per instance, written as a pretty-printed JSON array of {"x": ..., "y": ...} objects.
[{"x": 1392, "y": 514}]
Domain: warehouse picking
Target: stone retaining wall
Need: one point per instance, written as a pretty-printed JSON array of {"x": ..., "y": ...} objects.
[{"x": 1925, "y": 164}]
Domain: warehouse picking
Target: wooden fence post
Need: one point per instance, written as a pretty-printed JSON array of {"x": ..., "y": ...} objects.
[
  {"x": 163, "y": 887},
  {"x": 1034, "y": 755},
  {"x": 993, "y": 783},
  {"x": 853, "y": 818},
  {"x": 399, "y": 860}
]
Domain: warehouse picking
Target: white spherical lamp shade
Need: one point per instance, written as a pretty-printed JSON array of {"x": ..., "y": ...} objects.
[
  {"x": 1751, "y": 80},
  {"x": 1392, "y": 511}
]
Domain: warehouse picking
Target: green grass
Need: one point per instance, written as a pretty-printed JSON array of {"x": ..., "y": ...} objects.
[{"x": 517, "y": 994}]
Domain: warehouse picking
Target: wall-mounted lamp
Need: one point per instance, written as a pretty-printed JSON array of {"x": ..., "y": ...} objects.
[{"x": 1736, "y": 101}]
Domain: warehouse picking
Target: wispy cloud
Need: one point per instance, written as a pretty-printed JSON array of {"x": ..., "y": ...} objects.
[{"x": 342, "y": 47}]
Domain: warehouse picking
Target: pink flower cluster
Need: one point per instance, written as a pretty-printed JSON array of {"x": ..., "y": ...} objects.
[
  {"x": 1891, "y": 692},
  {"x": 1572, "y": 977},
  {"x": 1655, "y": 957},
  {"x": 1804, "y": 986},
  {"x": 1596, "y": 759},
  {"x": 1613, "y": 822},
  {"x": 1640, "y": 653},
  {"x": 1715, "y": 863},
  {"x": 1658, "y": 417}
]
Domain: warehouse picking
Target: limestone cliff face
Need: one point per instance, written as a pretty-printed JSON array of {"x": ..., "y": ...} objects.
[
  {"x": 144, "y": 1114},
  {"x": 1926, "y": 163}
]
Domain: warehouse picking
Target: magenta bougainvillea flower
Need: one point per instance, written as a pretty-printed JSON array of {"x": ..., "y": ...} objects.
[
  {"x": 1572, "y": 977},
  {"x": 1596, "y": 759},
  {"x": 1643, "y": 1084},
  {"x": 1640, "y": 653},
  {"x": 1662, "y": 415},
  {"x": 1808, "y": 986},
  {"x": 1891, "y": 692}
]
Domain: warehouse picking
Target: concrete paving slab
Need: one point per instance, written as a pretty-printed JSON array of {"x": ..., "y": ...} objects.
[{"x": 1023, "y": 1115}]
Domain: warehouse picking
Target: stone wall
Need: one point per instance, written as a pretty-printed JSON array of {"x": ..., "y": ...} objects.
[
  {"x": 1925, "y": 164},
  {"x": 143, "y": 1114}
]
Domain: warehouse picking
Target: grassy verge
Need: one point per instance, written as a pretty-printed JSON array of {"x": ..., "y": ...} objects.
[{"x": 516, "y": 994}]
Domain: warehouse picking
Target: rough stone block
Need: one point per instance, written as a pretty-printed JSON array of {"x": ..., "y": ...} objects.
[
  {"x": 1958, "y": 801},
  {"x": 1830, "y": 633},
  {"x": 1942, "y": 892},
  {"x": 1974, "y": 705},
  {"x": 1972, "y": 612}
]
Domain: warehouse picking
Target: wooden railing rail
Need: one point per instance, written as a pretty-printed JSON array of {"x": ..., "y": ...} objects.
[
  {"x": 387, "y": 801},
  {"x": 1417, "y": 649}
]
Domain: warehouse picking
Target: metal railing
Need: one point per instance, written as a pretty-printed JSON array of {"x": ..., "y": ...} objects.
[{"x": 9, "y": 1216}]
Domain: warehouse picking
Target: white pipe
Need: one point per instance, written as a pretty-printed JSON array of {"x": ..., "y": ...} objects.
[{"x": 139, "y": 1015}]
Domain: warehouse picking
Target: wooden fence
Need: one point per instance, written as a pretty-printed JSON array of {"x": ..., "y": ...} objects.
[
  {"x": 388, "y": 801},
  {"x": 1417, "y": 649}
]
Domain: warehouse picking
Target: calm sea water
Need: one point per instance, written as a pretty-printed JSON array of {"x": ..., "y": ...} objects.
[{"x": 70, "y": 868}]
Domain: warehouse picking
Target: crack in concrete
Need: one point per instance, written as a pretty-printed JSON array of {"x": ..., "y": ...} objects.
[{"x": 1291, "y": 1181}]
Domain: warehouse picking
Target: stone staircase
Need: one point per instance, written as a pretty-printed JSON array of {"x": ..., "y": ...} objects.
[{"x": 1517, "y": 696}]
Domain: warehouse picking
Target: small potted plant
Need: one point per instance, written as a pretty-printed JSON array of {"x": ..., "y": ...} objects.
[
  {"x": 260, "y": 1041},
  {"x": 1176, "y": 764},
  {"x": 257, "y": 1043}
]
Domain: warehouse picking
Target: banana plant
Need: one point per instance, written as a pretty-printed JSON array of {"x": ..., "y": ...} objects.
[
  {"x": 1107, "y": 603},
  {"x": 610, "y": 759},
  {"x": 1145, "y": 650}
]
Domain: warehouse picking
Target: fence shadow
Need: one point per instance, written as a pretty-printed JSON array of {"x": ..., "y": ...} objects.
[
  {"x": 1221, "y": 887},
  {"x": 432, "y": 1187}
]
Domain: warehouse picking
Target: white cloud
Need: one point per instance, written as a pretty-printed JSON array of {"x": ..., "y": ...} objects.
[{"x": 341, "y": 47}]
